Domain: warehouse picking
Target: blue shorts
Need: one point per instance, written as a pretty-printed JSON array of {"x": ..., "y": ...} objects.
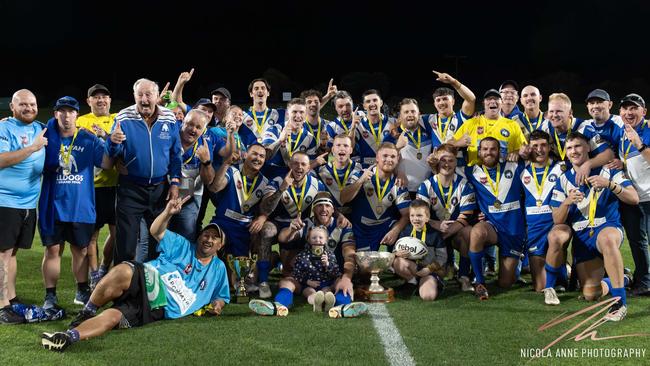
[
  {"x": 537, "y": 242},
  {"x": 585, "y": 247},
  {"x": 510, "y": 245},
  {"x": 322, "y": 285},
  {"x": 368, "y": 237}
]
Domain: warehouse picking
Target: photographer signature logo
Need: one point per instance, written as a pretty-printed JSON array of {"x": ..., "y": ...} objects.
[{"x": 590, "y": 331}]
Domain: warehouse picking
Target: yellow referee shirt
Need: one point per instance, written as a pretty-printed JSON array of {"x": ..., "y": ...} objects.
[
  {"x": 105, "y": 178},
  {"x": 505, "y": 130}
]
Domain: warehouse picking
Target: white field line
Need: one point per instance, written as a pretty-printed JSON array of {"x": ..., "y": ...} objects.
[{"x": 394, "y": 347}]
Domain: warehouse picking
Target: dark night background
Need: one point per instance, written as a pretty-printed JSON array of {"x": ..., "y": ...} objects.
[{"x": 63, "y": 47}]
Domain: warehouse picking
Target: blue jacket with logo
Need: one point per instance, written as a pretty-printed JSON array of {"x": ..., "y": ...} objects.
[{"x": 149, "y": 155}]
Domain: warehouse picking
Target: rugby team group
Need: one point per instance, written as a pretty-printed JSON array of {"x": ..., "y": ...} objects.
[{"x": 503, "y": 175}]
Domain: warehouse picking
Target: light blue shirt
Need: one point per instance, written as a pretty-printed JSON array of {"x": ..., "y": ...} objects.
[{"x": 20, "y": 184}]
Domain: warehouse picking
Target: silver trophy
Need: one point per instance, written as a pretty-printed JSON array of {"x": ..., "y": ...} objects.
[{"x": 375, "y": 263}]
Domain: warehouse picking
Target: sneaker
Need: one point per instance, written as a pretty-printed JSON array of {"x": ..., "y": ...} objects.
[
  {"x": 465, "y": 284},
  {"x": 58, "y": 341},
  {"x": 616, "y": 312},
  {"x": 263, "y": 307},
  {"x": 330, "y": 300},
  {"x": 9, "y": 316},
  {"x": 490, "y": 271},
  {"x": 351, "y": 310},
  {"x": 81, "y": 317},
  {"x": 319, "y": 299},
  {"x": 481, "y": 291},
  {"x": 265, "y": 290},
  {"x": 550, "y": 296},
  {"x": 82, "y": 297},
  {"x": 50, "y": 302}
]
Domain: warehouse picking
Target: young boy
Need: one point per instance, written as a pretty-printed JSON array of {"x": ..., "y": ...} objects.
[
  {"x": 316, "y": 269},
  {"x": 429, "y": 269}
]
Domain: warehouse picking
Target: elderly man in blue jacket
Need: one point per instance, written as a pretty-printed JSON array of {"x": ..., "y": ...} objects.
[{"x": 145, "y": 139}]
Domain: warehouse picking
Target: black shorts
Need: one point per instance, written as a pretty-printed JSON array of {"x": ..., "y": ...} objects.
[
  {"x": 134, "y": 304},
  {"x": 75, "y": 233},
  {"x": 105, "y": 206},
  {"x": 17, "y": 227}
]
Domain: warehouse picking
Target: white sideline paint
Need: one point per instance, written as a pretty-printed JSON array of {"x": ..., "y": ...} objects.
[{"x": 394, "y": 347}]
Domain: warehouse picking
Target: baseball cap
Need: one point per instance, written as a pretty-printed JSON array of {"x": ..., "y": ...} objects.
[
  {"x": 633, "y": 98},
  {"x": 206, "y": 101},
  {"x": 492, "y": 93},
  {"x": 598, "y": 94},
  {"x": 97, "y": 88},
  {"x": 222, "y": 91},
  {"x": 212, "y": 225},
  {"x": 509, "y": 82},
  {"x": 66, "y": 102}
]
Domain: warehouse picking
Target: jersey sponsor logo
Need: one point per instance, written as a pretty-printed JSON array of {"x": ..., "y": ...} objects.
[
  {"x": 188, "y": 268},
  {"x": 202, "y": 285},
  {"x": 454, "y": 201},
  {"x": 391, "y": 197},
  {"x": 258, "y": 193},
  {"x": 239, "y": 185},
  {"x": 23, "y": 140},
  {"x": 434, "y": 200},
  {"x": 365, "y": 134},
  {"x": 508, "y": 174},
  {"x": 331, "y": 244},
  {"x": 505, "y": 132},
  {"x": 4, "y": 139},
  {"x": 178, "y": 290},
  {"x": 329, "y": 181},
  {"x": 370, "y": 192},
  {"x": 303, "y": 148},
  {"x": 308, "y": 199},
  {"x": 483, "y": 180},
  {"x": 552, "y": 178},
  {"x": 526, "y": 180},
  {"x": 480, "y": 130},
  {"x": 165, "y": 128}
]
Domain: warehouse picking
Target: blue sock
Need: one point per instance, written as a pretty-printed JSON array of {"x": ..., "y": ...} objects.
[
  {"x": 90, "y": 307},
  {"x": 284, "y": 296},
  {"x": 608, "y": 282},
  {"x": 477, "y": 263},
  {"x": 342, "y": 299},
  {"x": 620, "y": 291},
  {"x": 263, "y": 268},
  {"x": 463, "y": 266},
  {"x": 564, "y": 275},
  {"x": 74, "y": 335},
  {"x": 551, "y": 274}
]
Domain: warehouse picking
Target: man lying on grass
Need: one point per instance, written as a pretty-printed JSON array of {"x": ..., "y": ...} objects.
[{"x": 183, "y": 279}]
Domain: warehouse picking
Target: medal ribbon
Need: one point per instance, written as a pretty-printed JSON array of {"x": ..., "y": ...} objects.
[
  {"x": 593, "y": 202},
  {"x": 341, "y": 183},
  {"x": 342, "y": 122},
  {"x": 442, "y": 133},
  {"x": 419, "y": 143},
  {"x": 495, "y": 188},
  {"x": 539, "y": 118},
  {"x": 442, "y": 193},
  {"x": 540, "y": 185},
  {"x": 376, "y": 134},
  {"x": 311, "y": 129},
  {"x": 196, "y": 144},
  {"x": 259, "y": 126},
  {"x": 66, "y": 156},
  {"x": 247, "y": 192},
  {"x": 560, "y": 150},
  {"x": 414, "y": 233},
  {"x": 381, "y": 192},
  {"x": 302, "y": 196},
  {"x": 291, "y": 149}
]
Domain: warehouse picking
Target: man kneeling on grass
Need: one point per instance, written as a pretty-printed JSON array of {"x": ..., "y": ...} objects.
[{"x": 183, "y": 279}]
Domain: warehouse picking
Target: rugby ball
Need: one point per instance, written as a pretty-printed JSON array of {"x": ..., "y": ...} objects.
[{"x": 414, "y": 246}]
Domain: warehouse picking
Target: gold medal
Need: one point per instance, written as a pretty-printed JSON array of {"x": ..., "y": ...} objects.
[
  {"x": 563, "y": 167},
  {"x": 65, "y": 171},
  {"x": 379, "y": 210},
  {"x": 539, "y": 203},
  {"x": 259, "y": 139},
  {"x": 446, "y": 216},
  {"x": 245, "y": 208},
  {"x": 419, "y": 155},
  {"x": 497, "y": 204}
]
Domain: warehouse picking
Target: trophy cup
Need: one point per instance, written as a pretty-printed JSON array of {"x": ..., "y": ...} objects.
[
  {"x": 241, "y": 268},
  {"x": 375, "y": 263}
]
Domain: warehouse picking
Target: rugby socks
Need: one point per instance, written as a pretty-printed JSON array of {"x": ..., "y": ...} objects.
[
  {"x": 476, "y": 258},
  {"x": 563, "y": 273},
  {"x": 463, "y": 266},
  {"x": 50, "y": 291},
  {"x": 73, "y": 334},
  {"x": 342, "y": 299},
  {"x": 552, "y": 274},
  {"x": 14, "y": 301},
  {"x": 90, "y": 307},
  {"x": 263, "y": 268},
  {"x": 620, "y": 292},
  {"x": 610, "y": 288},
  {"x": 284, "y": 296}
]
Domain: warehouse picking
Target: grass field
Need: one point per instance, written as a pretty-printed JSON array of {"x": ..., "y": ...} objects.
[{"x": 457, "y": 329}]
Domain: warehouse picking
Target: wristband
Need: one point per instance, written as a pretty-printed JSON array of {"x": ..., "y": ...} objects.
[
  {"x": 643, "y": 147},
  {"x": 174, "y": 183},
  {"x": 206, "y": 163}
]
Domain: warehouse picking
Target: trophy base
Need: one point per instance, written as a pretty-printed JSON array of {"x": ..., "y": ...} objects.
[
  {"x": 388, "y": 295},
  {"x": 239, "y": 299}
]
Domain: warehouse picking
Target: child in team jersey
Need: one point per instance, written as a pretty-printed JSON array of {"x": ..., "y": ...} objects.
[
  {"x": 424, "y": 274},
  {"x": 316, "y": 270}
]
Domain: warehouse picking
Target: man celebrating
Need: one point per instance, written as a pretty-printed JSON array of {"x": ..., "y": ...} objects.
[
  {"x": 67, "y": 202},
  {"x": 532, "y": 118},
  {"x": 259, "y": 118},
  {"x": 21, "y": 163},
  {"x": 146, "y": 138},
  {"x": 510, "y": 95},
  {"x": 100, "y": 122},
  {"x": 185, "y": 278},
  {"x": 347, "y": 119},
  {"x": 491, "y": 124},
  {"x": 221, "y": 100},
  {"x": 592, "y": 211},
  {"x": 379, "y": 205},
  {"x": 317, "y": 126},
  {"x": 374, "y": 129},
  {"x": 607, "y": 125},
  {"x": 341, "y": 171},
  {"x": 498, "y": 189}
]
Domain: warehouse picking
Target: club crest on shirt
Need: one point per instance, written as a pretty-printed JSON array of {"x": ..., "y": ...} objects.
[
  {"x": 303, "y": 148},
  {"x": 188, "y": 268},
  {"x": 452, "y": 128},
  {"x": 239, "y": 185},
  {"x": 365, "y": 134},
  {"x": 391, "y": 197},
  {"x": 434, "y": 200},
  {"x": 23, "y": 140},
  {"x": 258, "y": 193},
  {"x": 202, "y": 285},
  {"x": 370, "y": 192},
  {"x": 483, "y": 180},
  {"x": 285, "y": 199},
  {"x": 480, "y": 130},
  {"x": 526, "y": 180},
  {"x": 505, "y": 132},
  {"x": 308, "y": 200},
  {"x": 552, "y": 178},
  {"x": 508, "y": 174},
  {"x": 329, "y": 181},
  {"x": 454, "y": 201}
]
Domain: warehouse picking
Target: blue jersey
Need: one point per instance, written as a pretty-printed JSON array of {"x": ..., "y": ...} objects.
[
  {"x": 610, "y": 131},
  {"x": 528, "y": 124},
  {"x": 337, "y": 127},
  {"x": 258, "y": 123},
  {"x": 503, "y": 209},
  {"x": 578, "y": 214},
  {"x": 319, "y": 130},
  {"x": 539, "y": 217},
  {"x": 512, "y": 113},
  {"x": 413, "y": 156},
  {"x": 74, "y": 189},
  {"x": 235, "y": 204},
  {"x": 338, "y": 238},
  {"x": 334, "y": 183},
  {"x": 636, "y": 166},
  {"x": 371, "y": 136},
  {"x": 20, "y": 184},
  {"x": 277, "y": 165},
  {"x": 218, "y": 136},
  {"x": 442, "y": 129},
  {"x": 371, "y": 217},
  {"x": 189, "y": 284},
  {"x": 296, "y": 201},
  {"x": 558, "y": 140},
  {"x": 445, "y": 205}
]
